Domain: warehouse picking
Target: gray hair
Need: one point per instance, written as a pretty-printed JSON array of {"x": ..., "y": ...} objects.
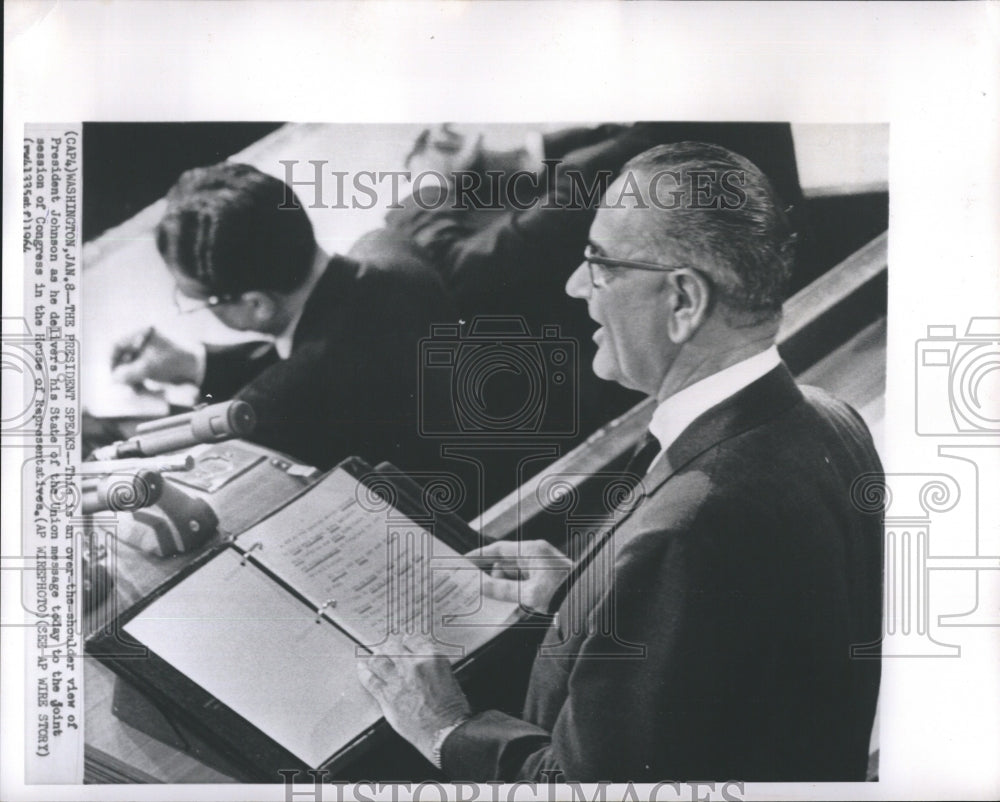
[{"x": 721, "y": 213}]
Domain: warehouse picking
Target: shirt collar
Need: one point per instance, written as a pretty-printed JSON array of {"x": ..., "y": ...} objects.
[
  {"x": 679, "y": 411},
  {"x": 283, "y": 341}
]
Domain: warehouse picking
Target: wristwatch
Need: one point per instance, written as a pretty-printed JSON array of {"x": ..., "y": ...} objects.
[{"x": 439, "y": 738}]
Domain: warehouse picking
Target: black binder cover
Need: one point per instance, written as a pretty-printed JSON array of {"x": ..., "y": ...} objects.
[{"x": 238, "y": 740}]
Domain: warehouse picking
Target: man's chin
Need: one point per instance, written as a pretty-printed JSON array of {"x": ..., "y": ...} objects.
[
  {"x": 608, "y": 371},
  {"x": 603, "y": 369}
]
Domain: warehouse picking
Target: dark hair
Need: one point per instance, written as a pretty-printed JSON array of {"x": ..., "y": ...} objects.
[
  {"x": 732, "y": 224},
  {"x": 225, "y": 227}
]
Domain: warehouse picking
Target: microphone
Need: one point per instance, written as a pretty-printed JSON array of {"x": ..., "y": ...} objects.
[
  {"x": 121, "y": 492},
  {"x": 210, "y": 424}
]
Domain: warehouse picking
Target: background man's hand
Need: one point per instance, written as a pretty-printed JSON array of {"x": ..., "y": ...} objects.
[
  {"x": 147, "y": 354},
  {"x": 527, "y": 572},
  {"x": 416, "y": 689}
]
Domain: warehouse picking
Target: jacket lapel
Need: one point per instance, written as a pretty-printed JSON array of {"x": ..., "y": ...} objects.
[
  {"x": 746, "y": 409},
  {"x": 754, "y": 405}
]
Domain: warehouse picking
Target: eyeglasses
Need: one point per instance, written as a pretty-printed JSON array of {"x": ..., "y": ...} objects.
[
  {"x": 600, "y": 279},
  {"x": 186, "y": 304}
]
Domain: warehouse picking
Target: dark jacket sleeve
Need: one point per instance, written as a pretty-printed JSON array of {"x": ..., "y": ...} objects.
[
  {"x": 722, "y": 648},
  {"x": 625, "y": 682},
  {"x": 300, "y": 409},
  {"x": 496, "y": 746},
  {"x": 350, "y": 384}
]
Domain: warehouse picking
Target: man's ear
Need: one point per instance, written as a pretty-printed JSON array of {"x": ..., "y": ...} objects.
[
  {"x": 690, "y": 299},
  {"x": 261, "y": 307}
]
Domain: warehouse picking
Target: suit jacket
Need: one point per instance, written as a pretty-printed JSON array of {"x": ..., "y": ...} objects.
[
  {"x": 349, "y": 386},
  {"x": 709, "y": 636}
]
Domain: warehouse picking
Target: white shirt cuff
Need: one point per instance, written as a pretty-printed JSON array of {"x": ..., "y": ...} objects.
[
  {"x": 439, "y": 738},
  {"x": 534, "y": 147},
  {"x": 200, "y": 361}
]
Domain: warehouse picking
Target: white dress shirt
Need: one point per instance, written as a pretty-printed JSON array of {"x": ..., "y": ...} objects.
[{"x": 679, "y": 411}]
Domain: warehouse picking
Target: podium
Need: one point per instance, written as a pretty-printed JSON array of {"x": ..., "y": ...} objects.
[{"x": 128, "y": 729}]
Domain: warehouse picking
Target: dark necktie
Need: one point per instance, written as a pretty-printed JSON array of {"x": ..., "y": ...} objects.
[
  {"x": 645, "y": 451},
  {"x": 643, "y": 454}
]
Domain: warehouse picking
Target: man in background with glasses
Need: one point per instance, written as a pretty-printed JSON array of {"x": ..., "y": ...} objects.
[
  {"x": 335, "y": 371},
  {"x": 708, "y": 634}
]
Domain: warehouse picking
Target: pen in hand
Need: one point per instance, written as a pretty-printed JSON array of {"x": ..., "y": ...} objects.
[{"x": 130, "y": 351}]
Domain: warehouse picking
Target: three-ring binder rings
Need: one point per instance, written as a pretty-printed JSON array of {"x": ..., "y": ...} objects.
[{"x": 232, "y": 643}]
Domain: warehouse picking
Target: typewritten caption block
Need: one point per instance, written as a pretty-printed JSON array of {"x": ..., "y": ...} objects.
[{"x": 46, "y": 433}]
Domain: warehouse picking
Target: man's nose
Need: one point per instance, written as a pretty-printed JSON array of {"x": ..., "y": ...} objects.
[{"x": 578, "y": 285}]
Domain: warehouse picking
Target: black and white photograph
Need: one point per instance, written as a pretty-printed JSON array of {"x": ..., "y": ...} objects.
[
  {"x": 498, "y": 337},
  {"x": 591, "y": 448}
]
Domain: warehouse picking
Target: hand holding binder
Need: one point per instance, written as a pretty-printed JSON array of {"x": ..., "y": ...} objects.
[
  {"x": 416, "y": 689},
  {"x": 256, "y": 643}
]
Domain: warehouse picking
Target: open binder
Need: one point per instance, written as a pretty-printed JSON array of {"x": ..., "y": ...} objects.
[{"x": 254, "y": 645}]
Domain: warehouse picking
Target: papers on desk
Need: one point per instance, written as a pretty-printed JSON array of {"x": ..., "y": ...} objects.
[
  {"x": 382, "y": 572},
  {"x": 272, "y": 625},
  {"x": 218, "y": 465},
  {"x": 106, "y": 398},
  {"x": 258, "y": 650}
]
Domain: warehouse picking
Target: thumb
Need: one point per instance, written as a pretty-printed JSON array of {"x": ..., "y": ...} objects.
[{"x": 501, "y": 589}]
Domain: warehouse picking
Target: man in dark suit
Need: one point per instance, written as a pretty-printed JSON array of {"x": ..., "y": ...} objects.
[
  {"x": 709, "y": 633},
  {"x": 338, "y": 373}
]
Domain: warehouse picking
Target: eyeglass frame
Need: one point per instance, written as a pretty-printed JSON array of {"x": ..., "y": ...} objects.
[
  {"x": 201, "y": 304},
  {"x": 591, "y": 259}
]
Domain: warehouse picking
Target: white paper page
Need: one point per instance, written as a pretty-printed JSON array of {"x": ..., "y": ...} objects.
[
  {"x": 111, "y": 399},
  {"x": 241, "y": 637},
  {"x": 385, "y": 573}
]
